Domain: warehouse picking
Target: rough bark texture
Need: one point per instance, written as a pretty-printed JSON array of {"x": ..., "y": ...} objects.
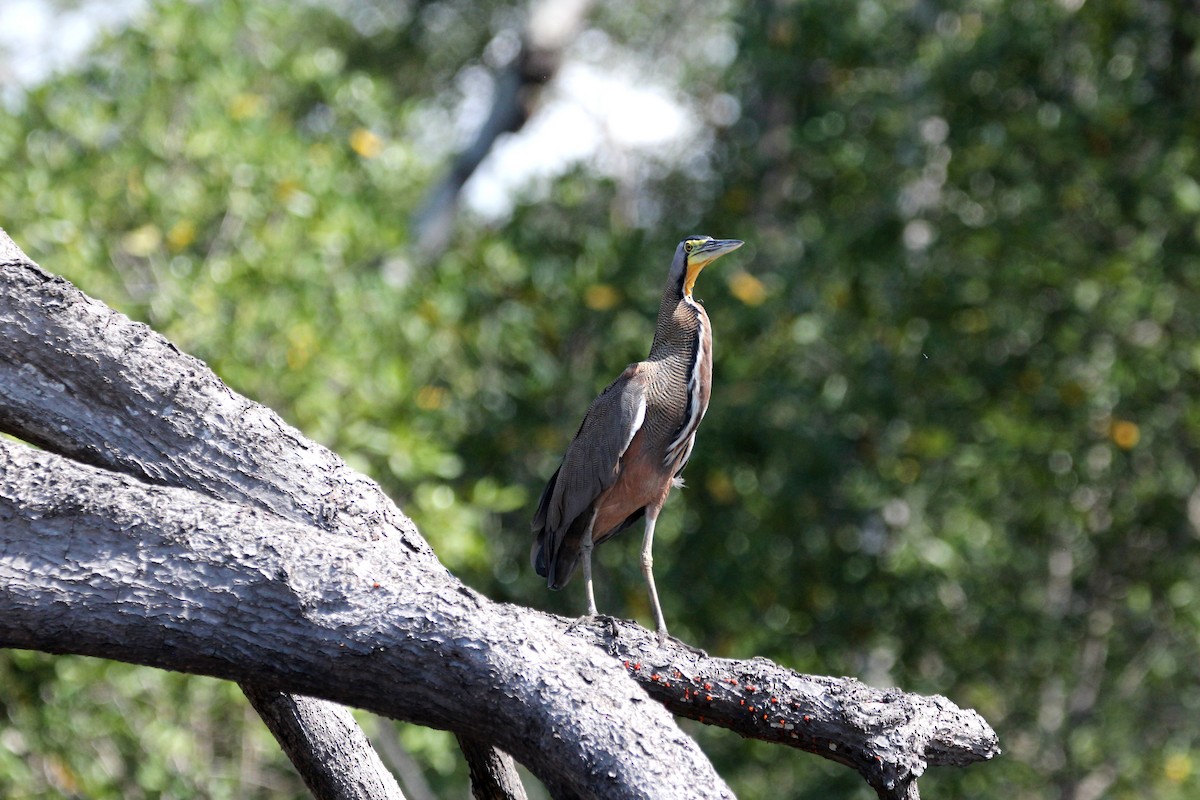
[
  {"x": 493, "y": 774},
  {"x": 226, "y": 566},
  {"x": 97, "y": 563},
  {"x": 317, "y": 732},
  {"x": 84, "y": 381},
  {"x": 79, "y": 379},
  {"x": 887, "y": 735}
]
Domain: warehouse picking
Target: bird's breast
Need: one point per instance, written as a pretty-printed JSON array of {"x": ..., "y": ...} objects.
[{"x": 677, "y": 398}]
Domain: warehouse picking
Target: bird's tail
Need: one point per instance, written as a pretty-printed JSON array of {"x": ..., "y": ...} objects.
[{"x": 555, "y": 554}]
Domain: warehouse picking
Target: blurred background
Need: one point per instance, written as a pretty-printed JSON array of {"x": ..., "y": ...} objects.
[{"x": 954, "y": 434}]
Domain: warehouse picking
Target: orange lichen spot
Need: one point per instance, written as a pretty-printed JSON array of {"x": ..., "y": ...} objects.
[
  {"x": 775, "y": 700},
  {"x": 708, "y": 697}
]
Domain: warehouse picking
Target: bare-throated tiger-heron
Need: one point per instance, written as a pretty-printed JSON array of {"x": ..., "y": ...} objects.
[{"x": 635, "y": 439}]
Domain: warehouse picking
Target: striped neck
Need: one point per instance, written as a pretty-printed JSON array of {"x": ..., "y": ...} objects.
[{"x": 680, "y": 319}]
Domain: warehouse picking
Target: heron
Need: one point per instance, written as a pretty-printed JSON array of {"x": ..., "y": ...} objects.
[{"x": 635, "y": 438}]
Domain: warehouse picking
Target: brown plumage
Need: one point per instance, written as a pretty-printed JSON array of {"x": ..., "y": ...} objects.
[{"x": 635, "y": 439}]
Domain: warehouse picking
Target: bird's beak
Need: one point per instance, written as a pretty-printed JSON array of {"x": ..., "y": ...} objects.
[
  {"x": 711, "y": 251},
  {"x": 708, "y": 253}
]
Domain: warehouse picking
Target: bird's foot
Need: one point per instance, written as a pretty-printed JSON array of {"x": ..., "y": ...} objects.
[{"x": 594, "y": 617}]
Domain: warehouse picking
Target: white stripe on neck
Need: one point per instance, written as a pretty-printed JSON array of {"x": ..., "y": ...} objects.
[{"x": 681, "y": 444}]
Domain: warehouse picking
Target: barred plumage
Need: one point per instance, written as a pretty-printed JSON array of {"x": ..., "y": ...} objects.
[{"x": 636, "y": 437}]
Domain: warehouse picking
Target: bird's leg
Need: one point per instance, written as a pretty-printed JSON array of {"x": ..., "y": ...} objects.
[
  {"x": 648, "y": 572},
  {"x": 585, "y": 548}
]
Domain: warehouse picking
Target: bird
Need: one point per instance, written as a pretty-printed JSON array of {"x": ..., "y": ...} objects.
[{"x": 635, "y": 439}]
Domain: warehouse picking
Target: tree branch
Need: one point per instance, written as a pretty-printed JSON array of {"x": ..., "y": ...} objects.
[
  {"x": 326, "y": 745},
  {"x": 100, "y": 564},
  {"x": 128, "y": 400},
  {"x": 80, "y": 379},
  {"x": 85, "y": 381},
  {"x": 552, "y": 26},
  {"x": 888, "y": 736},
  {"x": 493, "y": 774}
]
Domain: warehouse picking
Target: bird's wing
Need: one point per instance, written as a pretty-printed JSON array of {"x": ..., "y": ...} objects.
[{"x": 593, "y": 459}]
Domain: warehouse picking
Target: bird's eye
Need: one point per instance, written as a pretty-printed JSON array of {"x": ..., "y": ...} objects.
[{"x": 689, "y": 247}]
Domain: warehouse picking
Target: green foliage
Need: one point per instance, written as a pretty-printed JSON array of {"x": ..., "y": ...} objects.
[{"x": 953, "y": 439}]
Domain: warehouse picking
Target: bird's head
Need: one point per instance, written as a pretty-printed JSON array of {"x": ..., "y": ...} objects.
[{"x": 694, "y": 254}]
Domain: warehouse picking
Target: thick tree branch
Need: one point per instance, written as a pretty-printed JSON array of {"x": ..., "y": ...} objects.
[
  {"x": 127, "y": 400},
  {"x": 887, "y": 735},
  {"x": 80, "y": 379},
  {"x": 96, "y": 563}
]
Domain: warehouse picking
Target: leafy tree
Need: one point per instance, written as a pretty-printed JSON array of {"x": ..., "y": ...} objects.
[{"x": 953, "y": 436}]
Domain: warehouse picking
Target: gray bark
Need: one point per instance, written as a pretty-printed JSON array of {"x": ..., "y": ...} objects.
[
  {"x": 888, "y": 736},
  {"x": 493, "y": 774},
  {"x": 123, "y": 398},
  {"x": 100, "y": 564},
  {"x": 79, "y": 379},
  {"x": 323, "y": 741}
]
